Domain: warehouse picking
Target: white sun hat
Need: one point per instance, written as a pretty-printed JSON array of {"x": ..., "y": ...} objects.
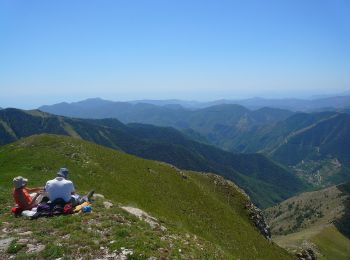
[{"x": 19, "y": 182}]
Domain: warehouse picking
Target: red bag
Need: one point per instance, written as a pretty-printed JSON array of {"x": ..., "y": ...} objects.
[
  {"x": 68, "y": 208},
  {"x": 16, "y": 210}
]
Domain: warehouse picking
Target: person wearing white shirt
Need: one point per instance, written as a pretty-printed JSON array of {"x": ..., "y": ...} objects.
[{"x": 60, "y": 187}]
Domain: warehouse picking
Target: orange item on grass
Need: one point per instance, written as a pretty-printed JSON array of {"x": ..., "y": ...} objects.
[{"x": 79, "y": 207}]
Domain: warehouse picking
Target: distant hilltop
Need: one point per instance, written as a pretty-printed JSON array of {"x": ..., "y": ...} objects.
[{"x": 315, "y": 103}]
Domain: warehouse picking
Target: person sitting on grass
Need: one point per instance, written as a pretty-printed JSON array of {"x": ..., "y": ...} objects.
[
  {"x": 25, "y": 198},
  {"x": 61, "y": 188}
]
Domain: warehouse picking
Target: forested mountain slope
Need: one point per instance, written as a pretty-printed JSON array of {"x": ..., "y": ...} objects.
[{"x": 315, "y": 146}]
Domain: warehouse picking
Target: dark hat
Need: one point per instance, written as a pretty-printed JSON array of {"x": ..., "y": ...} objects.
[{"x": 63, "y": 172}]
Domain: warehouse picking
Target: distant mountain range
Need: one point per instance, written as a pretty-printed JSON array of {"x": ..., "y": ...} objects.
[
  {"x": 325, "y": 103},
  {"x": 314, "y": 145},
  {"x": 317, "y": 103},
  {"x": 266, "y": 182},
  {"x": 219, "y": 125},
  {"x": 293, "y": 104}
]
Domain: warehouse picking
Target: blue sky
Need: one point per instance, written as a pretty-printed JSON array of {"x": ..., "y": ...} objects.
[{"x": 53, "y": 51}]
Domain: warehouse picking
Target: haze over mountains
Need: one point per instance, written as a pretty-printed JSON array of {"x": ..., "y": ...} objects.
[
  {"x": 293, "y": 104},
  {"x": 340, "y": 101},
  {"x": 313, "y": 145}
]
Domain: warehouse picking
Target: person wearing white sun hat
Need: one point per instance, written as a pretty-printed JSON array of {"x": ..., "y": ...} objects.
[{"x": 25, "y": 198}]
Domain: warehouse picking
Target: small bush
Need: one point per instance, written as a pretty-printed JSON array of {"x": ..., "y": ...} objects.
[
  {"x": 14, "y": 247},
  {"x": 122, "y": 233},
  {"x": 53, "y": 251},
  {"x": 279, "y": 213}
]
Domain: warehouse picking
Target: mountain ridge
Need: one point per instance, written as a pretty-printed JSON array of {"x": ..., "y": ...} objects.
[
  {"x": 220, "y": 124},
  {"x": 337, "y": 101},
  {"x": 264, "y": 181},
  {"x": 314, "y": 146}
]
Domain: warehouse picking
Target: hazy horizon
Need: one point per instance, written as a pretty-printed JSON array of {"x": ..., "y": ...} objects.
[
  {"x": 190, "y": 50},
  {"x": 73, "y": 100}
]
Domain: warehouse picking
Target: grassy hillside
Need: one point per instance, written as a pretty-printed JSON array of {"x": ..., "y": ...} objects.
[
  {"x": 200, "y": 204},
  {"x": 106, "y": 233},
  {"x": 266, "y": 182},
  {"x": 318, "y": 219},
  {"x": 332, "y": 244}
]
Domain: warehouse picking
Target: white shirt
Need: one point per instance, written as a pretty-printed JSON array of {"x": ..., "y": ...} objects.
[{"x": 59, "y": 188}]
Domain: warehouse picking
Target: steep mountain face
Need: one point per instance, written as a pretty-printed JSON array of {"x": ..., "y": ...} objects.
[
  {"x": 268, "y": 138},
  {"x": 327, "y": 137},
  {"x": 266, "y": 182},
  {"x": 221, "y": 125},
  {"x": 314, "y": 146},
  {"x": 191, "y": 206},
  {"x": 318, "y": 220}
]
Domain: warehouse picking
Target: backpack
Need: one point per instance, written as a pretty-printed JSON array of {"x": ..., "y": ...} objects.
[
  {"x": 43, "y": 207},
  {"x": 58, "y": 209}
]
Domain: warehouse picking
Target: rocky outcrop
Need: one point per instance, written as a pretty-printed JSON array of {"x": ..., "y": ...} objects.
[
  {"x": 257, "y": 217},
  {"x": 306, "y": 254},
  {"x": 142, "y": 215}
]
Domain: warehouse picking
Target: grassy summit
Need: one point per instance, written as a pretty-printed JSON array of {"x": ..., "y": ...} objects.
[{"x": 203, "y": 205}]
